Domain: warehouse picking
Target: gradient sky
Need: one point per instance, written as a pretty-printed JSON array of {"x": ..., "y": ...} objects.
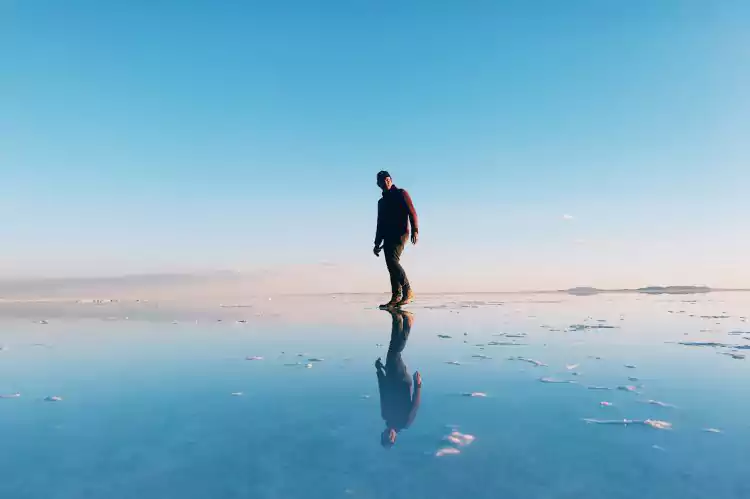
[{"x": 174, "y": 136}]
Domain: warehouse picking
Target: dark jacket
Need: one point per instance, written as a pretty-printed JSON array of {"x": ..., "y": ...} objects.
[
  {"x": 395, "y": 213},
  {"x": 398, "y": 405}
]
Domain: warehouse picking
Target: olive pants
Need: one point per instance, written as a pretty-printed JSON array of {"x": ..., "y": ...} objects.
[{"x": 392, "y": 250}]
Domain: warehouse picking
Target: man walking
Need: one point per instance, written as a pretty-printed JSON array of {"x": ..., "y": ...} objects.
[{"x": 396, "y": 214}]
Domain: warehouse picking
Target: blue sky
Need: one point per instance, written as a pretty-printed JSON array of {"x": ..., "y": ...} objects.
[{"x": 186, "y": 135}]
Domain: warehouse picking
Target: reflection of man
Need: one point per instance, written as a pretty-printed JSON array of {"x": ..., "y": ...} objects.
[{"x": 398, "y": 405}]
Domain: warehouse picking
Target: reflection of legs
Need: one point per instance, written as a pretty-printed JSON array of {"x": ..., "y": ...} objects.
[
  {"x": 408, "y": 318},
  {"x": 399, "y": 334},
  {"x": 392, "y": 251}
]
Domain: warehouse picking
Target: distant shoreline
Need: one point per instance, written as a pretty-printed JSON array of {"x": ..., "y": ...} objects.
[
  {"x": 236, "y": 287},
  {"x": 652, "y": 290}
]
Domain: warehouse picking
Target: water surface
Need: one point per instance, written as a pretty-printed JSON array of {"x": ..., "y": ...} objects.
[{"x": 148, "y": 410}]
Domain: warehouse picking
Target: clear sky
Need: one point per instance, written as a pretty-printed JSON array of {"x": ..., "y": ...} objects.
[{"x": 170, "y": 136}]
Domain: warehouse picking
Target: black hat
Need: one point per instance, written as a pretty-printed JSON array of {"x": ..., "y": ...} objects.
[{"x": 383, "y": 174}]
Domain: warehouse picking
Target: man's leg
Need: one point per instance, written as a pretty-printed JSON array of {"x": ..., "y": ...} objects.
[
  {"x": 406, "y": 293},
  {"x": 392, "y": 251}
]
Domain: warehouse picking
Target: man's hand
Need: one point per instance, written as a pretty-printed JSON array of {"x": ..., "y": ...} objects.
[
  {"x": 379, "y": 364},
  {"x": 377, "y": 249},
  {"x": 414, "y": 237},
  {"x": 418, "y": 378}
]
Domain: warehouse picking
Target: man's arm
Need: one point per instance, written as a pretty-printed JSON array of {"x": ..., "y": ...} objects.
[
  {"x": 379, "y": 227},
  {"x": 416, "y": 399},
  {"x": 413, "y": 219}
]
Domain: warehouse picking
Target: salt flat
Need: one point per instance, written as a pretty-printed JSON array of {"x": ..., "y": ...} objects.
[{"x": 156, "y": 398}]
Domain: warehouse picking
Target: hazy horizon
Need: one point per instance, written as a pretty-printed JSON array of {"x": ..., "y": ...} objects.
[{"x": 231, "y": 285}]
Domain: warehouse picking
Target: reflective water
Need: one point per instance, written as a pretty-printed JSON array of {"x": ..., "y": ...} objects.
[{"x": 153, "y": 409}]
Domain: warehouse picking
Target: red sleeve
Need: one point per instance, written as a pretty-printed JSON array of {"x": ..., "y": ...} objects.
[
  {"x": 417, "y": 397},
  {"x": 413, "y": 220}
]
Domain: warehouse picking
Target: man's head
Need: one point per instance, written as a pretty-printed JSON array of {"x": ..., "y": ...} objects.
[
  {"x": 385, "y": 181},
  {"x": 388, "y": 438}
]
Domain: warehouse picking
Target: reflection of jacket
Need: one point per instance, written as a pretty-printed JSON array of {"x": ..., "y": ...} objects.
[
  {"x": 398, "y": 406},
  {"x": 395, "y": 213}
]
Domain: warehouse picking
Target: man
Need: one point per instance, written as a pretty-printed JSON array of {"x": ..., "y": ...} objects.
[
  {"x": 396, "y": 214},
  {"x": 398, "y": 406}
]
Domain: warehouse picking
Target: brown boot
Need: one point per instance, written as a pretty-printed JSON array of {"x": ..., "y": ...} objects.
[
  {"x": 395, "y": 299},
  {"x": 407, "y": 298}
]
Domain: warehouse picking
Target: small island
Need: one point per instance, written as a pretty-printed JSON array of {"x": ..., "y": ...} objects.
[
  {"x": 651, "y": 290},
  {"x": 674, "y": 290}
]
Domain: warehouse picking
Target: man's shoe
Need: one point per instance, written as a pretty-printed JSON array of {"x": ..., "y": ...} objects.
[
  {"x": 407, "y": 298},
  {"x": 395, "y": 300}
]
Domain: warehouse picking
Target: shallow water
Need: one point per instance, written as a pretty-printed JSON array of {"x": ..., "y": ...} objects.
[{"x": 152, "y": 409}]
